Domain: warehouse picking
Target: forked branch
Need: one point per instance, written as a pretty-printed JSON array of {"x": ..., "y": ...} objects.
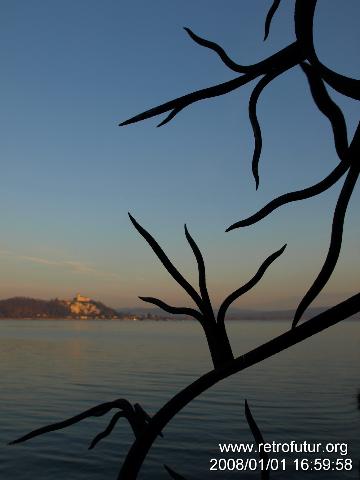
[
  {"x": 214, "y": 329},
  {"x": 135, "y": 415}
]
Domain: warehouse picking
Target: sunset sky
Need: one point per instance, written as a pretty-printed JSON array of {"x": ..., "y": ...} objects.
[{"x": 73, "y": 70}]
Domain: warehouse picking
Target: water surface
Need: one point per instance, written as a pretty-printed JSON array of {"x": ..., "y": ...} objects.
[{"x": 51, "y": 370}]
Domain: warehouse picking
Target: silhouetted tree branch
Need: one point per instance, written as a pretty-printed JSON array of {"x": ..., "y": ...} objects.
[{"x": 317, "y": 324}]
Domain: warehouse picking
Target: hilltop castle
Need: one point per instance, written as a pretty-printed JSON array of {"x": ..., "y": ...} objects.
[{"x": 79, "y": 298}]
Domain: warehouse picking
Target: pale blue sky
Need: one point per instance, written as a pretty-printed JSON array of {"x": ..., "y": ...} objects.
[{"x": 71, "y": 71}]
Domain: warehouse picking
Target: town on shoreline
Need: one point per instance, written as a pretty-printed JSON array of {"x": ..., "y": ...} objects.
[{"x": 79, "y": 307}]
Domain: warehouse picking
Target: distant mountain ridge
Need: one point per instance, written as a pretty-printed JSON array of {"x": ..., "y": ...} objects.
[{"x": 237, "y": 313}]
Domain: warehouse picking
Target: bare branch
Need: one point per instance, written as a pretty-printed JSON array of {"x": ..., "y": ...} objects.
[
  {"x": 245, "y": 288},
  {"x": 308, "y": 192},
  {"x": 269, "y": 17},
  {"x": 337, "y": 229},
  {"x": 259, "y": 439},
  {"x": 328, "y": 107},
  {"x": 202, "y": 276},
  {"x": 219, "y": 50},
  {"x": 167, "y": 263},
  {"x": 174, "y": 310}
]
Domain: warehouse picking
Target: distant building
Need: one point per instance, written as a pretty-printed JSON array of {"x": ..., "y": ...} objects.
[{"x": 81, "y": 299}]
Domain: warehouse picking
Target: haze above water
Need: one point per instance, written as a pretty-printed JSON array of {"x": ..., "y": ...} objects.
[{"x": 51, "y": 370}]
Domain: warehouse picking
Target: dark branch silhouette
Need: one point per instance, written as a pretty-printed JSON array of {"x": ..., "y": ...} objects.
[
  {"x": 107, "y": 430},
  {"x": 269, "y": 17},
  {"x": 304, "y": 194},
  {"x": 248, "y": 286},
  {"x": 207, "y": 307},
  {"x": 167, "y": 263},
  {"x": 286, "y": 58},
  {"x": 302, "y": 53},
  {"x": 259, "y": 439},
  {"x": 265, "y": 80},
  {"x": 191, "y": 312},
  {"x": 219, "y": 50},
  {"x": 308, "y": 192}
]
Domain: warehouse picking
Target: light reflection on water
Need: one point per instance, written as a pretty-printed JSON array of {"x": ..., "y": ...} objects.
[{"x": 51, "y": 370}]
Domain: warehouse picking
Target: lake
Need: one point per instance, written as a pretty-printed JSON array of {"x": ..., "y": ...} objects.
[{"x": 52, "y": 369}]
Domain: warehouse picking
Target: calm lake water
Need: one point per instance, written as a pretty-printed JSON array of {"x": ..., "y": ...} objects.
[{"x": 51, "y": 370}]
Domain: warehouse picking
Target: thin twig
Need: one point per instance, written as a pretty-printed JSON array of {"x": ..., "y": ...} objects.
[
  {"x": 219, "y": 50},
  {"x": 265, "y": 80},
  {"x": 248, "y": 286},
  {"x": 174, "y": 310},
  {"x": 107, "y": 430},
  {"x": 202, "y": 276},
  {"x": 269, "y": 17}
]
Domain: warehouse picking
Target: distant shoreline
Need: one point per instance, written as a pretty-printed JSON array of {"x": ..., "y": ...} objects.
[
  {"x": 84, "y": 308},
  {"x": 146, "y": 320}
]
